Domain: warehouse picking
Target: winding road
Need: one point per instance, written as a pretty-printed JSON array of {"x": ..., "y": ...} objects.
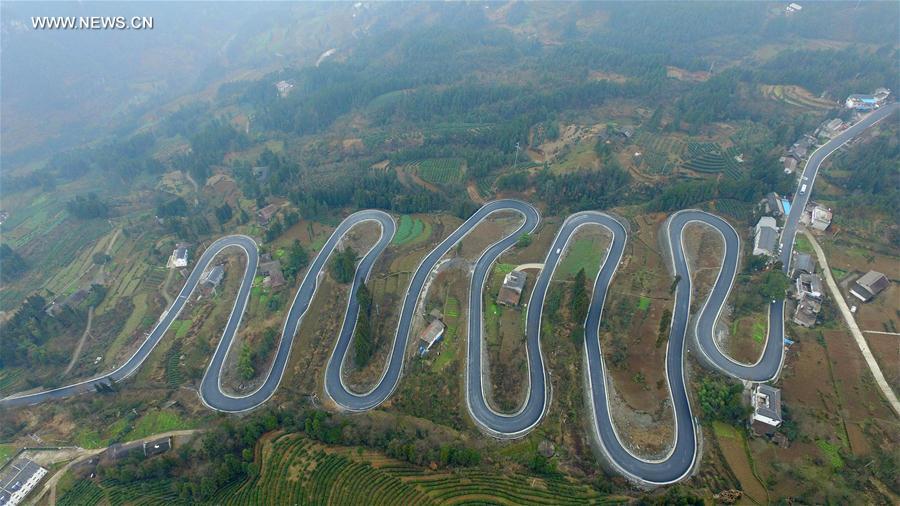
[{"x": 682, "y": 457}]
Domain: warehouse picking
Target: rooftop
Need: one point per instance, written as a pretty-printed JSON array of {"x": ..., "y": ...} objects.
[
  {"x": 17, "y": 479},
  {"x": 511, "y": 291},
  {"x": 874, "y": 282},
  {"x": 767, "y": 404},
  {"x": 432, "y": 333},
  {"x": 803, "y": 262},
  {"x": 214, "y": 276}
]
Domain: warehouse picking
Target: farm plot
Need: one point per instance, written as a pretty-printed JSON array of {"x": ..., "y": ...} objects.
[
  {"x": 706, "y": 157},
  {"x": 740, "y": 211},
  {"x": 10, "y": 381},
  {"x": 451, "y": 319},
  {"x": 296, "y": 470},
  {"x": 411, "y": 229},
  {"x": 440, "y": 170},
  {"x": 660, "y": 154},
  {"x": 796, "y": 96}
]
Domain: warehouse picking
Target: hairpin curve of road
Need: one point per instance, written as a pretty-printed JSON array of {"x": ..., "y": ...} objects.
[{"x": 683, "y": 455}]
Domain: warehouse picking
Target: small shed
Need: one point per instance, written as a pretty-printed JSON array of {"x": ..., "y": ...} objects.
[{"x": 432, "y": 334}]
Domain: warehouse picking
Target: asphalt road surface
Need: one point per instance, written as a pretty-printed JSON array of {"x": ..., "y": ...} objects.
[{"x": 675, "y": 466}]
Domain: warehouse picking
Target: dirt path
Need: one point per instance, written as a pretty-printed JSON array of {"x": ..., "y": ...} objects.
[
  {"x": 84, "y": 335},
  {"x": 472, "y": 190},
  {"x": 50, "y": 485},
  {"x": 854, "y": 329},
  {"x": 187, "y": 175},
  {"x": 99, "y": 278}
]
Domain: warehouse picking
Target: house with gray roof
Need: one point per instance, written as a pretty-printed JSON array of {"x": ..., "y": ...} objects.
[
  {"x": 766, "y": 402},
  {"x": 765, "y": 240},
  {"x": 802, "y": 263},
  {"x": 869, "y": 285}
]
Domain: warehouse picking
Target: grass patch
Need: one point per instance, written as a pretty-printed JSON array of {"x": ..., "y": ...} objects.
[
  {"x": 644, "y": 303},
  {"x": 584, "y": 253},
  {"x": 802, "y": 244},
  {"x": 838, "y": 273},
  {"x": 759, "y": 331},
  {"x": 90, "y": 439},
  {"x": 156, "y": 422},
  {"x": 6, "y": 452},
  {"x": 831, "y": 453},
  {"x": 504, "y": 269},
  {"x": 724, "y": 430}
]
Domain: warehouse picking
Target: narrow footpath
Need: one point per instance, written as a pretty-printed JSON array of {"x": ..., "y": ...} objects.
[{"x": 854, "y": 329}]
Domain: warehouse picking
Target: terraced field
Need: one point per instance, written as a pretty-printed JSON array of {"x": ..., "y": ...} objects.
[
  {"x": 707, "y": 157},
  {"x": 440, "y": 170},
  {"x": 795, "y": 96},
  {"x": 296, "y": 470},
  {"x": 10, "y": 381},
  {"x": 659, "y": 153},
  {"x": 86, "y": 493}
]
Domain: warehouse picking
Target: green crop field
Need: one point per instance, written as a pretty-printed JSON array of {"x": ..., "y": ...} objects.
[
  {"x": 174, "y": 374},
  {"x": 441, "y": 170},
  {"x": 411, "y": 229},
  {"x": 448, "y": 350}
]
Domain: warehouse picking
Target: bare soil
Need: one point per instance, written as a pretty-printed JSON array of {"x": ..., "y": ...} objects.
[{"x": 634, "y": 355}]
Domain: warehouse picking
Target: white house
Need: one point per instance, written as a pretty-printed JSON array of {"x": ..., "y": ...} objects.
[{"x": 180, "y": 256}]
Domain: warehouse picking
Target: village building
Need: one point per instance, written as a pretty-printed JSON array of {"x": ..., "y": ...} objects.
[
  {"x": 283, "y": 88},
  {"x": 809, "y": 285},
  {"x": 261, "y": 173},
  {"x": 18, "y": 479},
  {"x": 790, "y": 164},
  {"x": 432, "y": 334},
  {"x": 157, "y": 446},
  {"x": 274, "y": 277},
  {"x": 211, "y": 278},
  {"x": 265, "y": 214},
  {"x": 869, "y": 285},
  {"x": 773, "y": 204},
  {"x": 802, "y": 263},
  {"x": 766, "y": 237},
  {"x": 511, "y": 291},
  {"x": 799, "y": 149},
  {"x": 832, "y": 127},
  {"x": 820, "y": 218},
  {"x": 861, "y": 102},
  {"x": 807, "y": 312},
  {"x": 180, "y": 255},
  {"x": 766, "y": 402}
]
